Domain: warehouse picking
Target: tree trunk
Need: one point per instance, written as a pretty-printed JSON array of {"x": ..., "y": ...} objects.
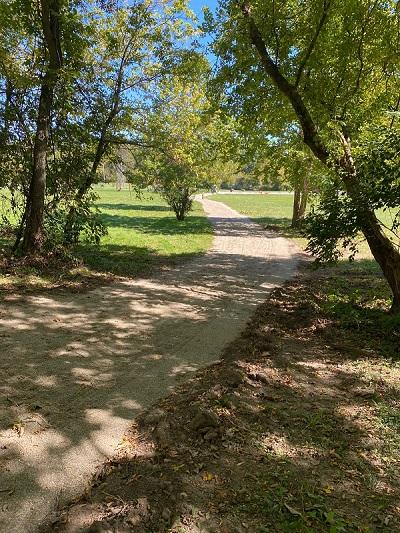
[
  {"x": 299, "y": 203},
  {"x": 71, "y": 231},
  {"x": 296, "y": 206},
  {"x": 33, "y": 232},
  {"x": 304, "y": 199},
  {"x": 385, "y": 255},
  {"x": 383, "y": 250}
]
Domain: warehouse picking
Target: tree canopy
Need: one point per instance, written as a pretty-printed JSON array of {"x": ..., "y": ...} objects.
[
  {"x": 331, "y": 68},
  {"x": 306, "y": 93}
]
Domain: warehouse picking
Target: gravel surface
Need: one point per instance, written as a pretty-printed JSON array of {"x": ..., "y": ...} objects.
[{"x": 77, "y": 368}]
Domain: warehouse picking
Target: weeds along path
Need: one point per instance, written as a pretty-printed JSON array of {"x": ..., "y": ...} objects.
[{"x": 75, "y": 369}]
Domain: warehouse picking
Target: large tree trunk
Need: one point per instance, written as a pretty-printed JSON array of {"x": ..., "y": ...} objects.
[
  {"x": 385, "y": 255},
  {"x": 33, "y": 233},
  {"x": 34, "y": 212},
  {"x": 383, "y": 250}
]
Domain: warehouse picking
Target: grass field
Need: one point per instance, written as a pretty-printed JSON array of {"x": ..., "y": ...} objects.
[
  {"x": 142, "y": 234},
  {"x": 268, "y": 209}
]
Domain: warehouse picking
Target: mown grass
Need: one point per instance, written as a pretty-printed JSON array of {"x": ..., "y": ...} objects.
[{"x": 143, "y": 234}]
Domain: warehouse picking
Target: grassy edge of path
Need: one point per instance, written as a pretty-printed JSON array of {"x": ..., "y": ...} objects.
[{"x": 143, "y": 235}]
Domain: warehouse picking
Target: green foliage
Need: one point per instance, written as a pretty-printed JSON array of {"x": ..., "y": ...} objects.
[
  {"x": 378, "y": 159},
  {"x": 114, "y": 58},
  {"x": 87, "y": 221},
  {"x": 187, "y": 141},
  {"x": 329, "y": 68},
  {"x": 332, "y": 226},
  {"x": 334, "y": 223},
  {"x": 347, "y": 75}
]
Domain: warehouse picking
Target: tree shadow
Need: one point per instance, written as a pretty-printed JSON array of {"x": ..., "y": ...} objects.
[
  {"x": 121, "y": 260},
  {"x": 268, "y": 221},
  {"x": 357, "y": 295},
  {"x": 77, "y": 368},
  {"x": 157, "y": 225},
  {"x": 291, "y": 451},
  {"x": 133, "y": 207}
]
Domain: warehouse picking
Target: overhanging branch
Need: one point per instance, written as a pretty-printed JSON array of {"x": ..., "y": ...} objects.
[{"x": 310, "y": 132}]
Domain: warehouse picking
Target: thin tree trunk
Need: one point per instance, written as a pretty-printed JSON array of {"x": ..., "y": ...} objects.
[
  {"x": 383, "y": 250},
  {"x": 7, "y": 108},
  {"x": 33, "y": 232},
  {"x": 71, "y": 231},
  {"x": 299, "y": 203},
  {"x": 296, "y": 206},
  {"x": 304, "y": 200}
]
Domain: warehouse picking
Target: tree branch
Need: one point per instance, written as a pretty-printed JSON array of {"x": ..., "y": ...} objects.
[
  {"x": 310, "y": 132},
  {"x": 313, "y": 41},
  {"x": 128, "y": 142}
]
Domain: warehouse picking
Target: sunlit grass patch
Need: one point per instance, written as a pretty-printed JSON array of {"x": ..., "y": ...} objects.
[{"x": 143, "y": 235}]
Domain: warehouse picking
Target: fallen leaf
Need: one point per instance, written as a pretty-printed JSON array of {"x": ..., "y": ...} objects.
[
  {"x": 178, "y": 467},
  {"x": 207, "y": 476},
  {"x": 292, "y": 510}
]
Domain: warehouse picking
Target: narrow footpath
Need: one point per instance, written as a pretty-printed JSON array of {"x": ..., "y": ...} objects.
[{"x": 75, "y": 369}]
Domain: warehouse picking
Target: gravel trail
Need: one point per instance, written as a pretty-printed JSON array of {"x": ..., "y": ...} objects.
[{"x": 75, "y": 369}]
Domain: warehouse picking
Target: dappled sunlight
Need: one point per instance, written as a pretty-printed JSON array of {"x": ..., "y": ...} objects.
[
  {"x": 79, "y": 367},
  {"x": 297, "y": 440}
]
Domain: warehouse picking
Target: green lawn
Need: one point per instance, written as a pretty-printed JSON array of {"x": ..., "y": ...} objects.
[
  {"x": 268, "y": 209},
  {"x": 143, "y": 234}
]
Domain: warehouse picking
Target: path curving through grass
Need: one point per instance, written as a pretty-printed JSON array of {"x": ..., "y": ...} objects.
[{"x": 77, "y": 368}]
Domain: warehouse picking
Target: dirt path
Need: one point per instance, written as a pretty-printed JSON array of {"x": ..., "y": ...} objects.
[{"x": 75, "y": 369}]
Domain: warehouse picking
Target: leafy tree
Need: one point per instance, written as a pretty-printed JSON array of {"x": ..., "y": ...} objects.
[
  {"x": 329, "y": 66},
  {"x": 75, "y": 78},
  {"x": 42, "y": 52},
  {"x": 188, "y": 143},
  {"x": 297, "y": 170},
  {"x": 136, "y": 48}
]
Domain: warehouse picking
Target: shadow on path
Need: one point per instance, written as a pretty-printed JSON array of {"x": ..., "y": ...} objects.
[{"x": 77, "y": 368}]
